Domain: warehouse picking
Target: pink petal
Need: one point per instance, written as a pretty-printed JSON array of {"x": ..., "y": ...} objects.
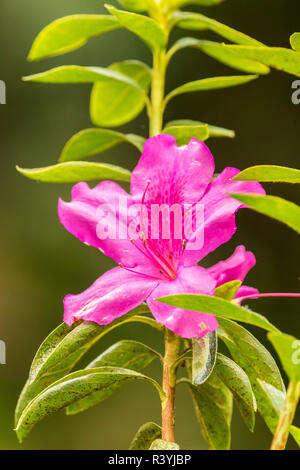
[
  {"x": 219, "y": 213},
  {"x": 169, "y": 177},
  {"x": 176, "y": 174},
  {"x": 246, "y": 290},
  {"x": 234, "y": 268},
  {"x": 84, "y": 218},
  {"x": 111, "y": 296},
  {"x": 185, "y": 323}
]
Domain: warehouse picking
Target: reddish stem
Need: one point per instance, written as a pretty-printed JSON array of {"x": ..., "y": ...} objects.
[{"x": 257, "y": 296}]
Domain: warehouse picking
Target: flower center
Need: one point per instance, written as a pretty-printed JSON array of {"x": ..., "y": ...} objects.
[{"x": 163, "y": 253}]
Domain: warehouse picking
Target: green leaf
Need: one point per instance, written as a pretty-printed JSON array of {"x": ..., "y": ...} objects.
[
  {"x": 146, "y": 434},
  {"x": 79, "y": 74},
  {"x": 204, "y": 357},
  {"x": 270, "y": 403},
  {"x": 114, "y": 103},
  {"x": 213, "y": 420},
  {"x": 220, "y": 393},
  {"x": 220, "y": 307},
  {"x": 72, "y": 388},
  {"x": 136, "y": 5},
  {"x": 64, "y": 347},
  {"x": 184, "y": 134},
  {"x": 269, "y": 173},
  {"x": 69, "y": 33},
  {"x": 273, "y": 206},
  {"x": 279, "y": 58},
  {"x": 125, "y": 354},
  {"x": 196, "y": 22},
  {"x": 259, "y": 366},
  {"x": 215, "y": 50},
  {"x": 288, "y": 350},
  {"x": 238, "y": 382},
  {"x": 159, "y": 444},
  {"x": 257, "y": 355},
  {"x": 146, "y": 28},
  {"x": 296, "y": 434},
  {"x": 295, "y": 41},
  {"x": 214, "y": 83},
  {"x": 228, "y": 290},
  {"x": 90, "y": 142},
  {"x": 73, "y": 172},
  {"x": 214, "y": 131}
]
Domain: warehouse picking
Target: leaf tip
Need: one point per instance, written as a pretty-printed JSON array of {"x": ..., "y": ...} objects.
[
  {"x": 19, "y": 435},
  {"x": 109, "y": 7},
  {"x": 32, "y": 56}
]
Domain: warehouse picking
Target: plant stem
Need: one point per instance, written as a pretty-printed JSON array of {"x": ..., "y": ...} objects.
[
  {"x": 157, "y": 93},
  {"x": 156, "y": 112},
  {"x": 172, "y": 348},
  {"x": 286, "y": 416}
]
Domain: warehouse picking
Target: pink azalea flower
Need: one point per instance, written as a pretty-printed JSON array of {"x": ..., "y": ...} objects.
[
  {"x": 151, "y": 267},
  {"x": 235, "y": 268}
]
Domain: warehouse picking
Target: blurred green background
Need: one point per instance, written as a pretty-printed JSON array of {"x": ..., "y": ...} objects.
[{"x": 41, "y": 262}]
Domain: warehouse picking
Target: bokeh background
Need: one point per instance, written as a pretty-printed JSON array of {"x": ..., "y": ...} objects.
[{"x": 41, "y": 262}]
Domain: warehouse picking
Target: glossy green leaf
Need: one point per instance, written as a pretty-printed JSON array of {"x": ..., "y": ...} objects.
[
  {"x": 146, "y": 434},
  {"x": 79, "y": 74},
  {"x": 214, "y": 83},
  {"x": 239, "y": 384},
  {"x": 125, "y": 354},
  {"x": 228, "y": 290},
  {"x": 220, "y": 393},
  {"x": 279, "y": 58},
  {"x": 259, "y": 366},
  {"x": 74, "y": 172},
  {"x": 257, "y": 355},
  {"x": 69, "y": 33},
  {"x": 114, "y": 103},
  {"x": 214, "y": 131},
  {"x": 146, "y": 28},
  {"x": 273, "y": 206},
  {"x": 204, "y": 357},
  {"x": 288, "y": 350},
  {"x": 220, "y": 307},
  {"x": 71, "y": 388},
  {"x": 184, "y": 134},
  {"x": 270, "y": 403},
  {"x": 269, "y": 398},
  {"x": 136, "y": 5},
  {"x": 215, "y": 50},
  {"x": 63, "y": 348},
  {"x": 228, "y": 57},
  {"x": 295, "y": 41},
  {"x": 269, "y": 173},
  {"x": 296, "y": 434},
  {"x": 196, "y": 22},
  {"x": 159, "y": 444},
  {"x": 213, "y": 420},
  {"x": 90, "y": 142}
]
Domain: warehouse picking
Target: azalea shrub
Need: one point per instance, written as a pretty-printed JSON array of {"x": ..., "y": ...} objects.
[{"x": 176, "y": 211}]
